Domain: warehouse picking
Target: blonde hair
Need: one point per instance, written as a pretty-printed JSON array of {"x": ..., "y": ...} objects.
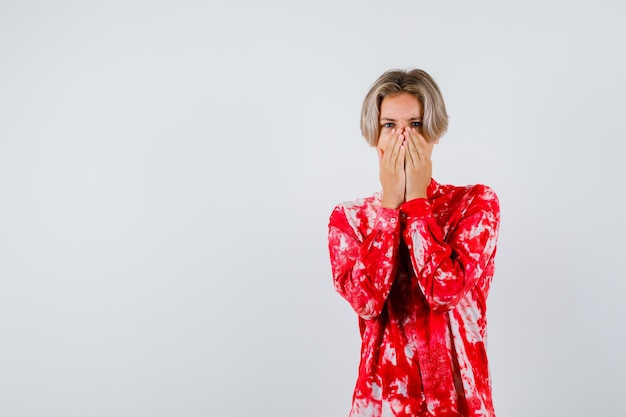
[{"x": 415, "y": 82}]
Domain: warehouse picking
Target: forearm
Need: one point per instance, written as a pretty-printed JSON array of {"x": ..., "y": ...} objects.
[
  {"x": 446, "y": 268},
  {"x": 364, "y": 270}
]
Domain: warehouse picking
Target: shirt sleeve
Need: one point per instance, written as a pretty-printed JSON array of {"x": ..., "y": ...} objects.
[
  {"x": 363, "y": 268},
  {"x": 448, "y": 268}
]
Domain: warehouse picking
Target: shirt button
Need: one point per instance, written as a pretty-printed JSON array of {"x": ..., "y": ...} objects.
[
  {"x": 403, "y": 216},
  {"x": 393, "y": 220}
]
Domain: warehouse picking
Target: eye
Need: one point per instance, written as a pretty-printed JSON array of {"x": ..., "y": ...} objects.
[
  {"x": 388, "y": 125},
  {"x": 416, "y": 124}
]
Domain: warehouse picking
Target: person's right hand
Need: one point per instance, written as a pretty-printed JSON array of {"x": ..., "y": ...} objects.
[{"x": 391, "y": 152}]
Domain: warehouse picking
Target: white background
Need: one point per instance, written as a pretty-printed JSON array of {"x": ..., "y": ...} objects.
[{"x": 167, "y": 170}]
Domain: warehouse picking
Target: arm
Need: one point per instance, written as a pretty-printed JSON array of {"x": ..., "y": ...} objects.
[
  {"x": 364, "y": 269},
  {"x": 447, "y": 270}
]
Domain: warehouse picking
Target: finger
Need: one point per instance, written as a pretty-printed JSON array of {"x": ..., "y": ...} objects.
[
  {"x": 416, "y": 142},
  {"x": 401, "y": 157},
  {"x": 424, "y": 148},
  {"x": 414, "y": 150},
  {"x": 386, "y": 148},
  {"x": 427, "y": 146},
  {"x": 388, "y": 145},
  {"x": 410, "y": 154},
  {"x": 395, "y": 156}
]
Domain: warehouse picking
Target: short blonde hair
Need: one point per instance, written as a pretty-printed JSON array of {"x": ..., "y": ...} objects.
[{"x": 415, "y": 82}]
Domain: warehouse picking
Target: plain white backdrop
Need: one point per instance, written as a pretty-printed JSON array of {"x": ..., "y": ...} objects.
[{"x": 167, "y": 169}]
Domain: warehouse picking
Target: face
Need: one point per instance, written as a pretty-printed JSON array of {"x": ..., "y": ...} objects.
[{"x": 399, "y": 111}]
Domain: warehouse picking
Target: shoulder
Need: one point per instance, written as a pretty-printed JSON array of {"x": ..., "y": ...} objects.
[
  {"x": 355, "y": 215},
  {"x": 475, "y": 197},
  {"x": 482, "y": 201},
  {"x": 483, "y": 194},
  {"x": 360, "y": 203},
  {"x": 473, "y": 191}
]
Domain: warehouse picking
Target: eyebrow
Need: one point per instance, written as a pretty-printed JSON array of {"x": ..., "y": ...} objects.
[{"x": 389, "y": 119}]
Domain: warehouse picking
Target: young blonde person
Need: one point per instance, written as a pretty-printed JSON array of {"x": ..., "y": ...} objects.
[{"x": 415, "y": 262}]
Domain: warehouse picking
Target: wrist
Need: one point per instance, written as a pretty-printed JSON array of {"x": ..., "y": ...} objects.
[
  {"x": 391, "y": 203},
  {"x": 388, "y": 205},
  {"x": 415, "y": 195}
]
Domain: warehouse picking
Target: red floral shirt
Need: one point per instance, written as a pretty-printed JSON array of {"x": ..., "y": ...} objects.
[{"x": 418, "y": 277}]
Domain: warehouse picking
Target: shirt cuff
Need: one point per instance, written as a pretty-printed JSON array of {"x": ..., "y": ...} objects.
[
  {"x": 387, "y": 220},
  {"x": 419, "y": 207}
]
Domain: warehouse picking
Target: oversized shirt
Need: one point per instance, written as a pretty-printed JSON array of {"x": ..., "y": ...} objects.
[{"x": 418, "y": 278}]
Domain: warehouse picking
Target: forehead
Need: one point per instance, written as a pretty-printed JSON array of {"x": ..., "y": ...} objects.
[{"x": 403, "y": 106}]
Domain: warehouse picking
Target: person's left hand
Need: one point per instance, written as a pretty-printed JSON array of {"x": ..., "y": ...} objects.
[{"x": 418, "y": 166}]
